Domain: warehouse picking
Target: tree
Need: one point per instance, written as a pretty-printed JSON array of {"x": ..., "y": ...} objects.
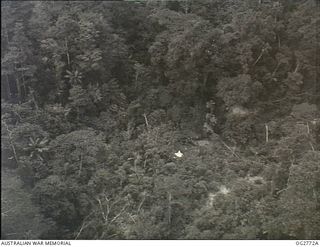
[
  {"x": 20, "y": 218},
  {"x": 299, "y": 201},
  {"x": 161, "y": 119},
  {"x": 18, "y": 69}
]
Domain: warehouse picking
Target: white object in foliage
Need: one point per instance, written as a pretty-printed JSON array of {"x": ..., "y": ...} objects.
[
  {"x": 211, "y": 197},
  {"x": 178, "y": 154},
  {"x": 224, "y": 190}
]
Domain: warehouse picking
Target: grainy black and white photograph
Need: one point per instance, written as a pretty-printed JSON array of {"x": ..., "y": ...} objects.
[{"x": 160, "y": 120}]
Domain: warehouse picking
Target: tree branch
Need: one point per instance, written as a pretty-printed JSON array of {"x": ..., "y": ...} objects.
[
  {"x": 83, "y": 226},
  {"x": 260, "y": 56},
  {"x": 119, "y": 214},
  {"x": 146, "y": 120}
]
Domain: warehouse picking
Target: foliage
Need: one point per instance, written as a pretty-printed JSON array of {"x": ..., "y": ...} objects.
[
  {"x": 98, "y": 98},
  {"x": 20, "y": 218}
]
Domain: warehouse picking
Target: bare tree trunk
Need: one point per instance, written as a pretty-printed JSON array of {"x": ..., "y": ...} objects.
[
  {"x": 17, "y": 83},
  {"x": 19, "y": 89},
  {"x": 67, "y": 51},
  {"x": 169, "y": 207},
  {"x": 141, "y": 203},
  {"x": 6, "y": 32},
  {"x": 297, "y": 67},
  {"x": 267, "y": 133},
  {"x": 7, "y": 86},
  {"x": 80, "y": 166},
  {"x": 24, "y": 85},
  {"x": 146, "y": 120},
  {"x": 34, "y": 99}
]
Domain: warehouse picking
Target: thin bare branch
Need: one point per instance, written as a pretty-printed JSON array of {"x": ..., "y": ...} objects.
[
  {"x": 260, "y": 56},
  {"x": 146, "y": 120},
  {"x": 119, "y": 214},
  {"x": 230, "y": 149},
  {"x": 141, "y": 203}
]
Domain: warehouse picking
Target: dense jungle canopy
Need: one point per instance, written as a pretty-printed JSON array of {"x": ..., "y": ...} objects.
[{"x": 160, "y": 119}]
